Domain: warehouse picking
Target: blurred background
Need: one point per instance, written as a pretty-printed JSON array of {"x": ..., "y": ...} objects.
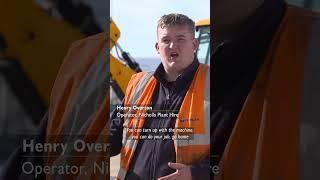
[{"x": 34, "y": 38}]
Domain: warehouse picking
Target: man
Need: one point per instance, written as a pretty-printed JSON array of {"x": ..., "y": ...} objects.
[
  {"x": 266, "y": 74},
  {"x": 179, "y": 85}
]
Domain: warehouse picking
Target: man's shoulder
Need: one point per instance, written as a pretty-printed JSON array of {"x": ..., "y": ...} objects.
[
  {"x": 137, "y": 80},
  {"x": 140, "y": 75}
]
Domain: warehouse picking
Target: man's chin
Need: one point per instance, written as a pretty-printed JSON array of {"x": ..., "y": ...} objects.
[
  {"x": 175, "y": 68},
  {"x": 173, "y": 65}
]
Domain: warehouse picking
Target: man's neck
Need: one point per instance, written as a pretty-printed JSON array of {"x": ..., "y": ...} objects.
[{"x": 171, "y": 76}]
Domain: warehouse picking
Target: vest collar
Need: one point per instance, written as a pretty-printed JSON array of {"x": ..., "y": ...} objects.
[{"x": 184, "y": 78}]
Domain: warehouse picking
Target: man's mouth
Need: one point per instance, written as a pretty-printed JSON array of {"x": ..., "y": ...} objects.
[{"x": 174, "y": 55}]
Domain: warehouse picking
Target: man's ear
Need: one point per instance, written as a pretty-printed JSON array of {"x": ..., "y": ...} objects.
[
  {"x": 157, "y": 47},
  {"x": 195, "y": 44}
]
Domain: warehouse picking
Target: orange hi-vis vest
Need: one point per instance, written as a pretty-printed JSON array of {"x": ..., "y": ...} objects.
[
  {"x": 78, "y": 111},
  {"x": 193, "y": 114},
  {"x": 274, "y": 137}
]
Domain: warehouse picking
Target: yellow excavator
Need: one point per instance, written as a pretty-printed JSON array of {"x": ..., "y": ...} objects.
[
  {"x": 122, "y": 67},
  {"x": 33, "y": 44}
]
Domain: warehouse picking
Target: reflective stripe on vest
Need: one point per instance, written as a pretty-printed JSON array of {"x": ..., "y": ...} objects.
[
  {"x": 194, "y": 114},
  {"x": 79, "y": 108}
]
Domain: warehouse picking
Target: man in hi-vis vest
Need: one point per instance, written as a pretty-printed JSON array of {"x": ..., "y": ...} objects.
[
  {"x": 266, "y": 91},
  {"x": 162, "y": 129}
]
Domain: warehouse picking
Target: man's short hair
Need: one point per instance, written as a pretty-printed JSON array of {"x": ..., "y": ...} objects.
[{"x": 175, "y": 19}]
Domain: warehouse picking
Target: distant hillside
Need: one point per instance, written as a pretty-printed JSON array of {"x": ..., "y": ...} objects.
[{"x": 148, "y": 63}]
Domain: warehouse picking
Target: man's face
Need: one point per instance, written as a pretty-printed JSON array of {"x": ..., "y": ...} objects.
[{"x": 176, "y": 46}]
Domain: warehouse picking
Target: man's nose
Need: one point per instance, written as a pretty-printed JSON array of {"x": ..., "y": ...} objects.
[{"x": 172, "y": 44}]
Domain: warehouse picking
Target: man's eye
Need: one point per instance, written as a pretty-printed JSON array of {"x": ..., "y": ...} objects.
[
  {"x": 165, "y": 41},
  {"x": 181, "y": 39}
]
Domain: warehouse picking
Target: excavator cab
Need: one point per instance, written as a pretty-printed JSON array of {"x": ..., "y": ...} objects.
[{"x": 203, "y": 35}]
